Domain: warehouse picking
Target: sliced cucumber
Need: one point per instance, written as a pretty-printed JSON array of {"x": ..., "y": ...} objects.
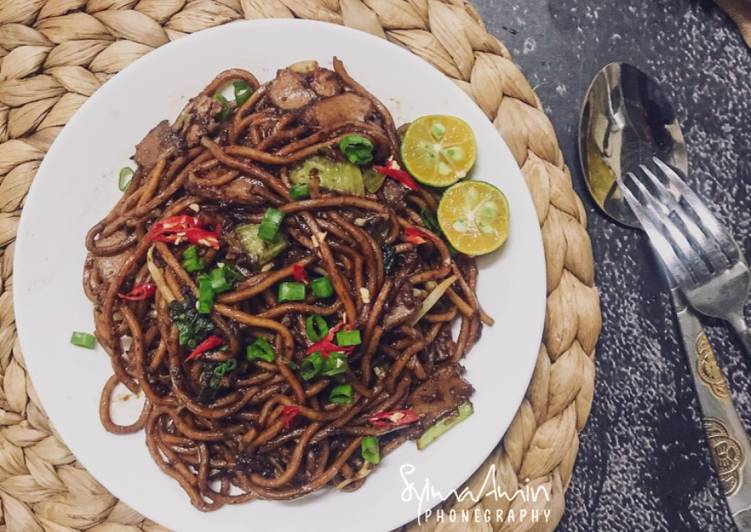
[
  {"x": 255, "y": 247},
  {"x": 438, "y": 429},
  {"x": 338, "y": 176}
]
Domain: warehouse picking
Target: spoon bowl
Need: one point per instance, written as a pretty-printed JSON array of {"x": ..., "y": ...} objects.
[{"x": 625, "y": 121}]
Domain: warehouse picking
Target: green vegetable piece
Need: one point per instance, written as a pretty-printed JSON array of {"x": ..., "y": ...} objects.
[
  {"x": 299, "y": 191},
  {"x": 370, "y": 450},
  {"x": 223, "y": 278},
  {"x": 83, "y": 339},
  {"x": 205, "y": 295},
  {"x": 372, "y": 180},
  {"x": 226, "y": 109},
  {"x": 441, "y": 427},
  {"x": 255, "y": 247},
  {"x": 242, "y": 92},
  {"x": 348, "y": 338},
  {"x": 335, "y": 364},
  {"x": 261, "y": 349},
  {"x": 191, "y": 326},
  {"x": 341, "y": 395},
  {"x": 272, "y": 220},
  {"x": 357, "y": 149},
  {"x": 289, "y": 291},
  {"x": 311, "y": 366},
  {"x": 123, "y": 181},
  {"x": 221, "y": 370},
  {"x": 316, "y": 327},
  {"x": 338, "y": 176},
  {"x": 192, "y": 262},
  {"x": 321, "y": 287}
]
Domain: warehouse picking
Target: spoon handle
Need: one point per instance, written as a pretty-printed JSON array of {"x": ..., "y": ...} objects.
[{"x": 727, "y": 439}]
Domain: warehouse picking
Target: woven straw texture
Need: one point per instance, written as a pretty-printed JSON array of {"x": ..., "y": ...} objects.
[{"x": 55, "y": 53}]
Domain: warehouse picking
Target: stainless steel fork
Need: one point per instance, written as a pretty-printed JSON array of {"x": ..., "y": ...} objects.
[{"x": 698, "y": 251}]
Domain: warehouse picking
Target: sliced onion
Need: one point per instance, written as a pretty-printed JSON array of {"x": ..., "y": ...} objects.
[
  {"x": 364, "y": 471},
  {"x": 304, "y": 67},
  {"x": 433, "y": 297},
  {"x": 156, "y": 275}
]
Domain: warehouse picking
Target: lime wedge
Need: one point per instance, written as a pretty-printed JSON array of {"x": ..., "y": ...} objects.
[
  {"x": 474, "y": 216},
  {"x": 439, "y": 150}
]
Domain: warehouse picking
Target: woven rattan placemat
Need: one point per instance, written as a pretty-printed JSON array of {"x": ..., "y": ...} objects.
[{"x": 56, "y": 53}]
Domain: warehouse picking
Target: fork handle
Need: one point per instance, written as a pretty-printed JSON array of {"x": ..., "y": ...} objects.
[
  {"x": 744, "y": 333},
  {"x": 726, "y": 437}
]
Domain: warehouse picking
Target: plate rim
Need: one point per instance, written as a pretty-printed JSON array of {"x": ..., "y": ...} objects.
[{"x": 153, "y": 56}]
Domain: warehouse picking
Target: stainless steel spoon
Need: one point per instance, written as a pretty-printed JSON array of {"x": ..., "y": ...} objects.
[{"x": 625, "y": 121}]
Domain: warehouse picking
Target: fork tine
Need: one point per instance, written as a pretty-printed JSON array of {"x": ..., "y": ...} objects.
[
  {"x": 660, "y": 244},
  {"x": 713, "y": 228},
  {"x": 688, "y": 255},
  {"x": 712, "y": 253}
]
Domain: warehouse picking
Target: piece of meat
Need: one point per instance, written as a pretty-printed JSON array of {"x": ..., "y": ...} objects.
[
  {"x": 198, "y": 119},
  {"x": 441, "y": 349},
  {"x": 337, "y": 110},
  {"x": 325, "y": 83},
  {"x": 241, "y": 191},
  {"x": 107, "y": 267},
  {"x": 288, "y": 91},
  {"x": 393, "y": 194},
  {"x": 401, "y": 308},
  {"x": 440, "y": 395},
  {"x": 161, "y": 140}
]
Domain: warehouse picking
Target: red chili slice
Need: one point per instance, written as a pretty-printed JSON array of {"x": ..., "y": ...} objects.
[
  {"x": 210, "y": 343},
  {"x": 140, "y": 292},
  {"x": 299, "y": 273},
  {"x": 416, "y": 236},
  {"x": 327, "y": 345},
  {"x": 289, "y": 413},
  {"x": 171, "y": 225},
  {"x": 393, "y": 418},
  {"x": 399, "y": 175},
  {"x": 203, "y": 237},
  {"x": 175, "y": 229}
]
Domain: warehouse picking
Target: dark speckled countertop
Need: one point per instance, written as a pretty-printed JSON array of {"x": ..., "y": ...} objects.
[{"x": 643, "y": 462}]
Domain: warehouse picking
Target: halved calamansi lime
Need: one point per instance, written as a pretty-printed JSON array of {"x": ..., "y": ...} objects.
[
  {"x": 439, "y": 150},
  {"x": 474, "y": 216}
]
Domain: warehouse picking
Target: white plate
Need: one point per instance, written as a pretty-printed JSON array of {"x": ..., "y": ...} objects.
[{"x": 77, "y": 185}]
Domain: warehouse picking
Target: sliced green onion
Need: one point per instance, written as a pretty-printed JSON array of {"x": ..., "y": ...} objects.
[
  {"x": 370, "y": 450},
  {"x": 341, "y": 395},
  {"x": 321, "y": 287},
  {"x": 261, "y": 349},
  {"x": 289, "y": 291},
  {"x": 316, "y": 327},
  {"x": 83, "y": 339},
  {"x": 335, "y": 364},
  {"x": 205, "y": 295},
  {"x": 357, "y": 149},
  {"x": 348, "y": 338},
  {"x": 226, "y": 109},
  {"x": 441, "y": 427},
  {"x": 191, "y": 261},
  {"x": 219, "y": 281},
  {"x": 221, "y": 370},
  {"x": 272, "y": 220},
  {"x": 311, "y": 366},
  {"x": 126, "y": 173},
  {"x": 223, "y": 278},
  {"x": 299, "y": 191},
  {"x": 242, "y": 92}
]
